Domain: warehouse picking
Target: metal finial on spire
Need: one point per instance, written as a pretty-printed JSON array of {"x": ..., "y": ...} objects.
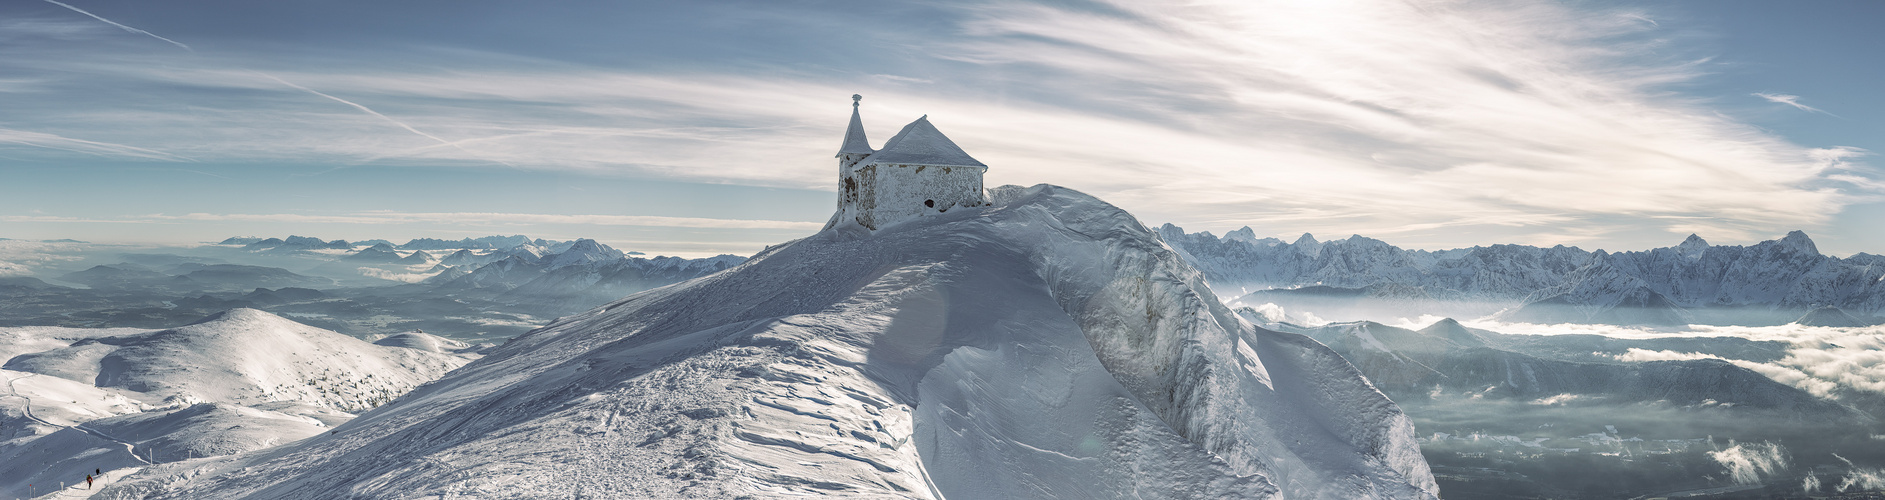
[{"x": 855, "y": 98}]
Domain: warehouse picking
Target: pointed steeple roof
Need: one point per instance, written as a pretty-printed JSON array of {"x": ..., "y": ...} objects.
[
  {"x": 854, "y": 141},
  {"x": 921, "y": 144}
]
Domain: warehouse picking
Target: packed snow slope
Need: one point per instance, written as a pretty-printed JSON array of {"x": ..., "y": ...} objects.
[{"x": 1046, "y": 346}]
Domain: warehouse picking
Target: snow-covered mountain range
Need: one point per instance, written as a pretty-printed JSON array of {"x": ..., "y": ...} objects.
[
  {"x": 1045, "y": 346},
  {"x": 1556, "y": 284},
  {"x": 78, "y": 400},
  {"x": 577, "y": 276},
  {"x": 379, "y": 289}
]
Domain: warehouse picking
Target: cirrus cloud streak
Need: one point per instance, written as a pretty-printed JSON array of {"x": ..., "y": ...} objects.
[{"x": 441, "y": 218}]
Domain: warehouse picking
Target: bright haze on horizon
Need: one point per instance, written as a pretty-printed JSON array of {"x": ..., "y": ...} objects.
[{"x": 684, "y": 128}]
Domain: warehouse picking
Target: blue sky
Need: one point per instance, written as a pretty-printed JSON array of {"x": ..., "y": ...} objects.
[{"x": 698, "y": 128}]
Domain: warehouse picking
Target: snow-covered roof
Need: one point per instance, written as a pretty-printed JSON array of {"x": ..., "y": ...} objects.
[
  {"x": 921, "y": 144},
  {"x": 854, "y": 141}
]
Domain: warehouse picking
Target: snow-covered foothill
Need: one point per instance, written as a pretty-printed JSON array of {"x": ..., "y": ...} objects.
[
  {"x": 77, "y": 400},
  {"x": 1045, "y": 346},
  {"x": 244, "y": 356}
]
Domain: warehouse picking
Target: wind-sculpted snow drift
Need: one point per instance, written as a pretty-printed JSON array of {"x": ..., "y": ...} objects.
[{"x": 1046, "y": 346}]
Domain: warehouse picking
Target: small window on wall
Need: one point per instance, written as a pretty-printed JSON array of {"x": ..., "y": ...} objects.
[{"x": 929, "y": 203}]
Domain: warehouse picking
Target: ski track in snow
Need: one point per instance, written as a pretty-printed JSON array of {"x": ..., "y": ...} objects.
[{"x": 129, "y": 447}]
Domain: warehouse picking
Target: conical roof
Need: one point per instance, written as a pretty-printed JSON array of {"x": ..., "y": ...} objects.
[
  {"x": 921, "y": 144},
  {"x": 854, "y": 140}
]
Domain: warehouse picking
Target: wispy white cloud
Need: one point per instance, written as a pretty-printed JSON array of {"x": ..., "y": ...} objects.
[
  {"x": 1414, "y": 121},
  {"x": 1788, "y": 99},
  {"x": 1533, "y": 118},
  {"x": 452, "y": 144},
  {"x": 902, "y": 79},
  {"x": 1823, "y": 361},
  {"x": 127, "y": 29},
  {"x": 1860, "y": 478},
  {"x": 1747, "y": 463},
  {"x": 62, "y": 143},
  {"x": 1638, "y": 355}
]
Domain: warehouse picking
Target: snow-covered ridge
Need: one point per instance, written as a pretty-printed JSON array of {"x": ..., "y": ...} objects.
[
  {"x": 76, "y": 400},
  {"x": 1047, "y": 346},
  {"x": 1786, "y": 273}
]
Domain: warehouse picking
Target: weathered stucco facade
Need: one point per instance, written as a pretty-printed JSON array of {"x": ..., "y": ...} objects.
[{"x": 919, "y": 172}]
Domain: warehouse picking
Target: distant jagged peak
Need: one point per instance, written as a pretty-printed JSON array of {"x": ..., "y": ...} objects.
[
  {"x": 381, "y": 246},
  {"x": 1693, "y": 247},
  {"x": 1308, "y": 245},
  {"x": 585, "y": 251},
  {"x": 486, "y": 242},
  {"x": 1248, "y": 236},
  {"x": 1361, "y": 241},
  {"x": 312, "y": 242},
  {"x": 1244, "y": 234},
  {"x": 527, "y": 252},
  {"x": 1170, "y": 231},
  {"x": 589, "y": 246},
  {"x": 1797, "y": 241}
]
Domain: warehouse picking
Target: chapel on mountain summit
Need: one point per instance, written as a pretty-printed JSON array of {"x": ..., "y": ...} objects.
[{"x": 918, "y": 172}]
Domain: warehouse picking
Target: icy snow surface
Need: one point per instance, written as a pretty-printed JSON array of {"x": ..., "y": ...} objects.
[{"x": 1047, "y": 346}]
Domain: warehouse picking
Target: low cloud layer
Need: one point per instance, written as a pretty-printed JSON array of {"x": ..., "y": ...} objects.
[
  {"x": 21, "y": 258},
  {"x": 1819, "y": 360},
  {"x": 1635, "y": 355}
]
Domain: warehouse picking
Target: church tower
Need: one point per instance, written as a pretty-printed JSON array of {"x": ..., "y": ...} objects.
[
  {"x": 919, "y": 172},
  {"x": 856, "y": 148}
]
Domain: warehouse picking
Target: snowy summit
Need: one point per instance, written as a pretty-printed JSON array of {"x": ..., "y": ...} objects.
[
  {"x": 920, "y": 171},
  {"x": 1030, "y": 343}
]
